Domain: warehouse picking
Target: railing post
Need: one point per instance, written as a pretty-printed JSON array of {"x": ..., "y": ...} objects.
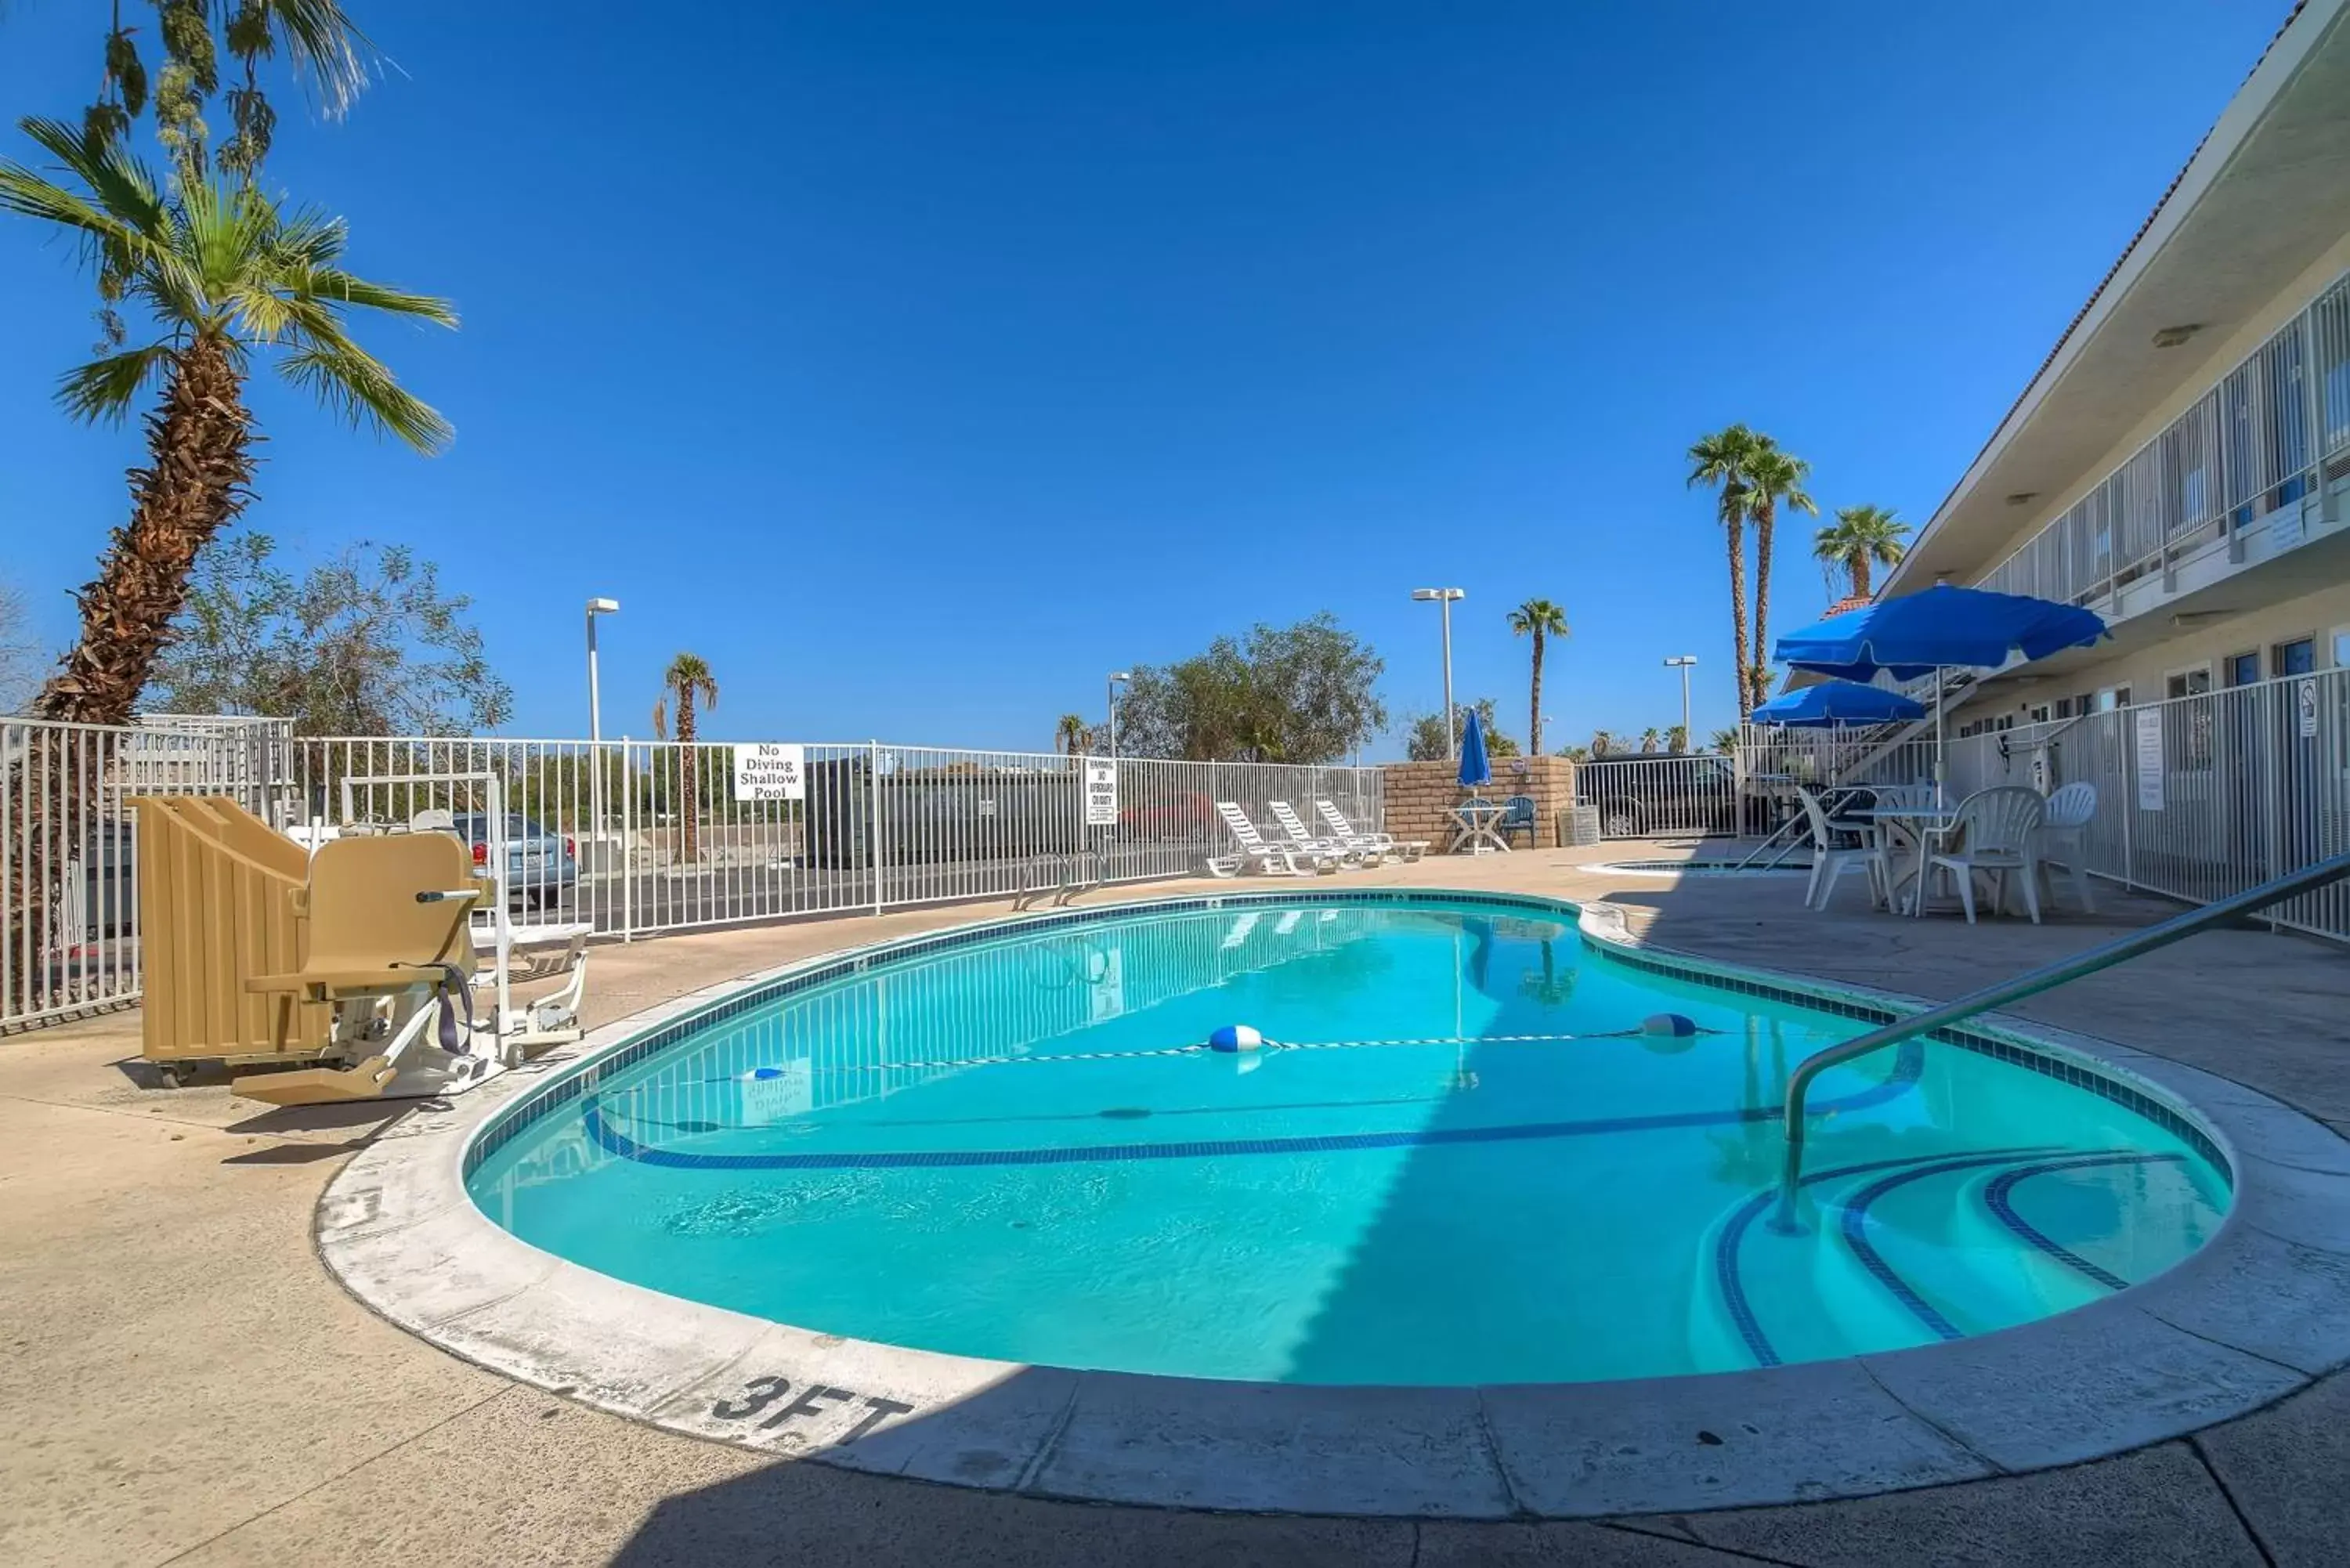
[
  {"x": 627, "y": 832},
  {"x": 873, "y": 845}
]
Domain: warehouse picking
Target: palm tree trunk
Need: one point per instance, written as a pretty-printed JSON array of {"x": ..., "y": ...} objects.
[
  {"x": 1733, "y": 528},
  {"x": 199, "y": 443},
  {"x": 1859, "y": 565},
  {"x": 685, "y": 753},
  {"x": 1534, "y": 720},
  {"x": 1765, "y": 515}
]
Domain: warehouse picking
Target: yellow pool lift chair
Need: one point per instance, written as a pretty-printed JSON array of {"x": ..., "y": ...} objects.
[{"x": 385, "y": 945}]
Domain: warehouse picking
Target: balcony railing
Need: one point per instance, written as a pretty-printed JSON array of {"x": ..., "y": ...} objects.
[{"x": 2269, "y": 434}]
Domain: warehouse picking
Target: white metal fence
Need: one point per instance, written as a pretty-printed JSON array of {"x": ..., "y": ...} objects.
[
  {"x": 630, "y": 838},
  {"x": 2201, "y": 797}
]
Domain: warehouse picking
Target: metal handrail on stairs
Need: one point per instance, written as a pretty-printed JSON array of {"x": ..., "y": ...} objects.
[{"x": 2030, "y": 983}]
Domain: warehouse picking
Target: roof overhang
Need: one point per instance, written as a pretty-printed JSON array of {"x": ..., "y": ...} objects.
[{"x": 2262, "y": 201}]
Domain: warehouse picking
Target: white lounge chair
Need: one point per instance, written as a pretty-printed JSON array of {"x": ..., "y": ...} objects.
[
  {"x": 1997, "y": 831},
  {"x": 1385, "y": 843},
  {"x": 1301, "y": 842},
  {"x": 2065, "y": 830},
  {"x": 1836, "y": 848},
  {"x": 1271, "y": 859}
]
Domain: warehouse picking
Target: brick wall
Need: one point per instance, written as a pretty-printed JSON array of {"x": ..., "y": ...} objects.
[{"x": 1419, "y": 793}]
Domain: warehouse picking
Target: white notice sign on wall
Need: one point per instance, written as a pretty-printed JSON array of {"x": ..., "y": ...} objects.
[
  {"x": 1101, "y": 792},
  {"x": 770, "y": 773},
  {"x": 2149, "y": 758},
  {"x": 2304, "y": 700}
]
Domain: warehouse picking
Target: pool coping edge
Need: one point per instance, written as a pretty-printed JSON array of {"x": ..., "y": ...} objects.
[{"x": 2171, "y": 1355}]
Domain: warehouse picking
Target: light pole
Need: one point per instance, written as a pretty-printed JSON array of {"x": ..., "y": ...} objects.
[
  {"x": 1115, "y": 676},
  {"x": 1445, "y": 596},
  {"x": 1684, "y": 662},
  {"x": 596, "y": 606}
]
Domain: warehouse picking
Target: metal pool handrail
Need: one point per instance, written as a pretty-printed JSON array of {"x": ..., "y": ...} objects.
[{"x": 2030, "y": 983}]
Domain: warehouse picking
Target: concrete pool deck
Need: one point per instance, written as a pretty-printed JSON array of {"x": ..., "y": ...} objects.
[{"x": 186, "y": 1383}]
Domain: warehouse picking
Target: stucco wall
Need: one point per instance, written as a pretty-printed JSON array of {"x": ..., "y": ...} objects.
[{"x": 1419, "y": 793}]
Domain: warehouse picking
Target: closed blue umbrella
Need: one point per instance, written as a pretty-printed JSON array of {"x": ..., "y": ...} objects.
[
  {"x": 1475, "y": 769},
  {"x": 1839, "y": 702}
]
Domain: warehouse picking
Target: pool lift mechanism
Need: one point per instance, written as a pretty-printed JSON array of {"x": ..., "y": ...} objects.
[{"x": 359, "y": 959}]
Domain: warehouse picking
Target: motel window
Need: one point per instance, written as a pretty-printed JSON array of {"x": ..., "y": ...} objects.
[
  {"x": 2186, "y": 683},
  {"x": 2113, "y": 697},
  {"x": 2298, "y": 657},
  {"x": 2242, "y": 669},
  {"x": 2342, "y": 648},
  {"x": 2038, "y": 713}
]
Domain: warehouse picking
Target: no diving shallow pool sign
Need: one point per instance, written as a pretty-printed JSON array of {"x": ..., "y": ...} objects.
[
  {"x": 2305, "y": 699},
  {"x": 1101, "y": 792},
  {"x": 770, "y": 773}
]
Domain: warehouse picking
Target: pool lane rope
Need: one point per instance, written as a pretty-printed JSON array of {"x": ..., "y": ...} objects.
[{"x": 1663, "y": 1025}]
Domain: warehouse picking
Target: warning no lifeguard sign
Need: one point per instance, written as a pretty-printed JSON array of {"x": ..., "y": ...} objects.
[
  {"x": 770, "y": 773},
  {"x": 1101, "y": 792}
]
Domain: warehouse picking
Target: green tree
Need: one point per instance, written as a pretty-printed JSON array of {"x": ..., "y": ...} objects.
[
  {"x": 367, "y": 643},
  {"x": 688, "y": 680},
  {"x": 316, "y": 38},
  {"x": 1426, "y": 740},
  {"x": 1676, "y": 739},
  {"x": 1774, "y": 478},
  {"x": 1072, "y": 735},
  {"x": 1651, "y": 739},
  {"x": 1603, "y": 742},
  {"x": 1301, "y": 693},
  {"x": 1860, "y": 538},
  {"x": 1540, "y": 619},
  {"x": 1723, "y": 740},
  {"x": 226, "y": 276},
  {"x": 1722, "y": 459}
]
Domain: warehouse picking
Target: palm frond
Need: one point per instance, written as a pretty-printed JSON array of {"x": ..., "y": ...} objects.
[
  {"x": 357, "y": 387},
  {"x": 342, "y": 288},
  {"x": 322, "y": 41},
  {"x": 119, "y": 183},
  {"x": 102, "y": 391}
]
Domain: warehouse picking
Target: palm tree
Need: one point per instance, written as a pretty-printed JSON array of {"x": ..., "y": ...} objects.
[
  {"x": 1861, "y": 537},
  {"x": 1773, "y": 479},
  {"x": 1651, "y": 738},
  {"x": 1676, "y": 739},
  {"x": 688, "y": 678},
  {"x": 226, "y": 276},
  {"x": 1722, "y": 459},
  {"x": 1601, "y": 742},
  {"x": 1723, "y": 740},
  {"x": 1576, "y": 754},
  {"x": 1538, "y": 618},
  {"x": 1072, "y": 735}
]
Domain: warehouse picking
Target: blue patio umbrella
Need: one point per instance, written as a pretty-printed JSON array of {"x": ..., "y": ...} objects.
[
  {"x": 1475, "y": 769},
  {"x": 1944, "y": 627},
  {"x": 1838, "y": 703}
]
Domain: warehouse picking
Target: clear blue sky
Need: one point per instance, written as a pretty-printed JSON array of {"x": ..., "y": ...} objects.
[{"x": 916, "y": 364}]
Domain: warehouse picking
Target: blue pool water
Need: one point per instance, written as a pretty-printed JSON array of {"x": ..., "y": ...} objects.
[{"x": 1015, "y": 1148}]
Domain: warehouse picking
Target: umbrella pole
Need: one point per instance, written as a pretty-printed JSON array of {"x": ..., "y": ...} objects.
[{"x": 1941, "y": 770}]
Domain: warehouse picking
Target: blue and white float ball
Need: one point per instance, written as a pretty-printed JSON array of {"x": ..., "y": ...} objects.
[
  {"x": 1668, "y": 1034},
  {"x": 1235, "y": 1037}
]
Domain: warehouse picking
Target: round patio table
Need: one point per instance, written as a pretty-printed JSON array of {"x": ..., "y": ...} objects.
[{"x": 1912, "y": 825}]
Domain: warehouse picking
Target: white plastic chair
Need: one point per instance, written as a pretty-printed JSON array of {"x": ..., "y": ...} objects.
[
  {"x": 1836, "y": 848},
  {"x": 2065, "y": 831},
  {"x": 1304, "y": 843},
  {"x": 1997, "y": 831},
  {"x": 1271, "y": 858},
  {"x": 1385, "y": 843}
]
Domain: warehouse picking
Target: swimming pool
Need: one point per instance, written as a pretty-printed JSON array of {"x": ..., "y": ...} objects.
[{"x": 1461, "y": 1161}]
